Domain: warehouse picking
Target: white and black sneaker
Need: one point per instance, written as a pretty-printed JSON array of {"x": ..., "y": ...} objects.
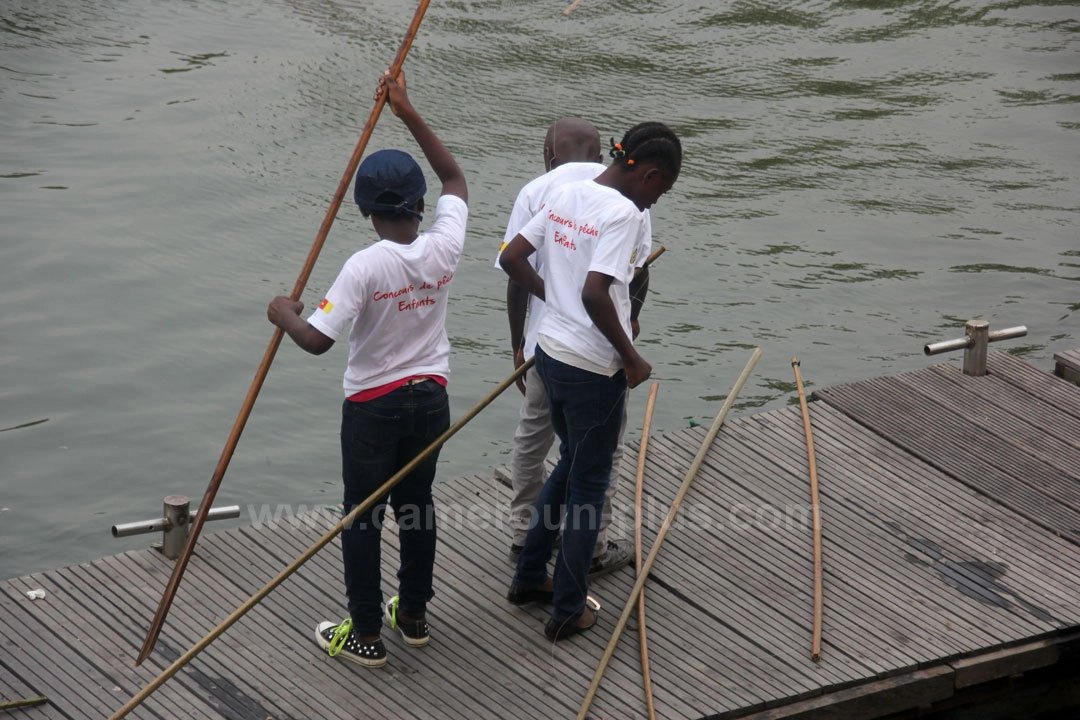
[
  {"x": 340, "y": 641},
  {"x": 617, "y": 555},
  {"x": 413, "y": 632}
]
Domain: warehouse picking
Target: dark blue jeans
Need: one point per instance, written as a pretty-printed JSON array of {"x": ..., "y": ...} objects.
[
  {"x": 586, "y": 412},
  {"x": 379, "y": 437}
]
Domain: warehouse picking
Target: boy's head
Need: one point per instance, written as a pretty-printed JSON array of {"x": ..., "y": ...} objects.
[
  {"x": 571, "y": 139},
  {"x": 390, "y": 184}
]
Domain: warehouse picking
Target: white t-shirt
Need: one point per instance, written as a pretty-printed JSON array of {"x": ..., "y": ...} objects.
[
  {"x": 395, "y": 298},
  {"x": 586, "y": 227},
  {"x": 530, "y": 201}
]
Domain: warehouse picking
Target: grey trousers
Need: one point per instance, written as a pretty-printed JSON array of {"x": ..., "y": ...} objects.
[{"x": 533, "y": 439}]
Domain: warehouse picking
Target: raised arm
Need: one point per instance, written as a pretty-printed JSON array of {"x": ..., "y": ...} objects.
[{"x": 440, "y": 159}]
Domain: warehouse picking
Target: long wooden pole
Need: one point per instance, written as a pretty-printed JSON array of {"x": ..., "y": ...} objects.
[
  {"x": 646, "y": 673},
  {"x": 659, "y": 541},
  {"x": 271, "y": 350},
  {"x": 639, "y": 488},
  {"x": 318, "y": 545},
  {"x": 815, "y": 514}
]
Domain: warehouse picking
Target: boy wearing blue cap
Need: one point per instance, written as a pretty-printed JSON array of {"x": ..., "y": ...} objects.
[{"x": 392, "y": 298}]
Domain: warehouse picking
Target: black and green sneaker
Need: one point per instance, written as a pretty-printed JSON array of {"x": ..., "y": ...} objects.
[
  {"x": 413, "y": 632},
  {"x": 340, "y": 641}
]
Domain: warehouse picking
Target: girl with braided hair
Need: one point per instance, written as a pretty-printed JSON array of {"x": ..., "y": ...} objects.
[{"x": 593, "y": 234}]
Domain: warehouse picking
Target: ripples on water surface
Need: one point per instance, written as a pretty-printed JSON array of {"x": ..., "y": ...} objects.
[{"x": 860, "y": 178}]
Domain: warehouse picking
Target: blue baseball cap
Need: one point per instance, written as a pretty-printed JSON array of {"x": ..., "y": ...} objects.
[{"x": 389, "y": 181}]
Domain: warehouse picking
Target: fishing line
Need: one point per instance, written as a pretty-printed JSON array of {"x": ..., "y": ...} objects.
[{"x": 561, "y": 94}]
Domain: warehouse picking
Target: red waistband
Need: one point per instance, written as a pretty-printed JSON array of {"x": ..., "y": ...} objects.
[{"x": 377, "y": 392}]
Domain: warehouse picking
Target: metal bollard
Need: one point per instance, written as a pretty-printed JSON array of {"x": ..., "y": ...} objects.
[
  {"x": 176, "y": 524},
  {"x": 177, "y": 515},
  {"x": 974, "y": 344}
]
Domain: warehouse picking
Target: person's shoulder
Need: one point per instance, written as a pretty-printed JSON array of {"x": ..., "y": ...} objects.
[
  {"x": 574, "y": 172},
  {"x": 451, "y": 218},
  {"x": 610, "y": 202},
  {"x": 360, "y": 263},
  {"x": 364, "y": 256},
  {"x": 565, "y": 173},
  {"x": 605, "y": 194}
]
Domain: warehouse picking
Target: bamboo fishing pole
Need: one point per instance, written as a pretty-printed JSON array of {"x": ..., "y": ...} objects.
[
  {"x": 659, "y": 541},
  {"x": 318, "y": 545},
  {"x": 271, "y": 350},
  {"x": 639, "y": 487},
  {"x": 815, "y": 514},
  {"x": 646, "y": 675}
]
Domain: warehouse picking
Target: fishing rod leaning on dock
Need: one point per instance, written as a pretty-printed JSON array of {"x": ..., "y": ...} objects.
[
  {"x": 815, "y": 514},
  {"x": 271, "y": 350},
  {"x": 639, "y": 487},
  {"x": 632, "y": 600}
]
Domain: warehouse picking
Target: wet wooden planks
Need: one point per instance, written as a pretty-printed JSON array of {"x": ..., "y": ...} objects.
[
  {"x": 1043, "y": 386},
  {"x": 14, "y": 689},
  {"x": 689, "y": 684},
  {"x": 937, "y": 565},
  {"x": 1011, "y": 434},
  {"x": 909, "y": 582},
  {"x": 77, "y": 644},
  {"x": 1067, "y": 365}
]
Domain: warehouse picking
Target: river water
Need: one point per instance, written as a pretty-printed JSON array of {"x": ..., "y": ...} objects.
[{"x": 860, "y": 178}]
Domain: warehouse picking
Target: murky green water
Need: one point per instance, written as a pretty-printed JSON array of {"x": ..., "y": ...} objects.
[{"x": 860, "y": 178}]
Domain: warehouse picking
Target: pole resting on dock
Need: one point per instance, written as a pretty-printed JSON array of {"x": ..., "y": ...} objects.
[
  {"x": 174, "y": 524},
  {"x": 974, "y": 344}
]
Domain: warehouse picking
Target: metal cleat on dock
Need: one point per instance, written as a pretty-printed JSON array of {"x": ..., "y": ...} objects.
[
  {"x": 974, "y": 344},
  {"x": 174, "y": 524}
]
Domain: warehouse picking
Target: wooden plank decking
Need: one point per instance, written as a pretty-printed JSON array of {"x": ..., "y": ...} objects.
[
  {"x": 951, "y": 512},
  {"x": 1067, "y": 365}
]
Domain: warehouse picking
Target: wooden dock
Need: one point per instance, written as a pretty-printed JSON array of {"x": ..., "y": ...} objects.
[{"x": 951, "y": 515}]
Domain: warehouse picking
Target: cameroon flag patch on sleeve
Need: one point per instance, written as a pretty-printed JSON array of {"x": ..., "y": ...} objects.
[{"x": 326, "y": 306}]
